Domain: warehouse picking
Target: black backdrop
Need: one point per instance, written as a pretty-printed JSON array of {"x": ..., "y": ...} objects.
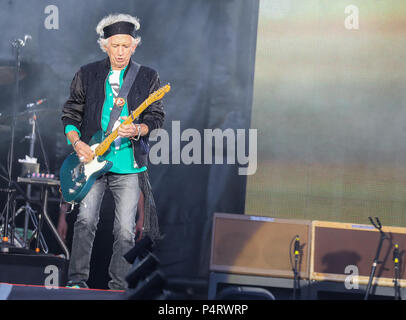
[{"x": 204, "y": 48}]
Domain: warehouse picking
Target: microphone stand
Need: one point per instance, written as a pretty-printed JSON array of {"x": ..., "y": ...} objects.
[
  {"x": 295, "y": 271},
  {"x": 29, "y": 212},
  {"x": 27, "y": 204},
  {"x": 396, "y": 279},
  {"x": 17, "y": 45},
  {"x": 378, "y": 226}
]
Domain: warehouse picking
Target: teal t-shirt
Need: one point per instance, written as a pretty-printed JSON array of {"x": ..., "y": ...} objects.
[{"x": 121, "y": 152}]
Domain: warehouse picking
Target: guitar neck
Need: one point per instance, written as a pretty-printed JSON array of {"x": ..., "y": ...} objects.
[{"x": 105, "y": 144}]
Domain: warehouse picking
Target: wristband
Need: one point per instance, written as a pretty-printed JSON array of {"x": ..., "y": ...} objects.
[{"x": 75, "y": 143}]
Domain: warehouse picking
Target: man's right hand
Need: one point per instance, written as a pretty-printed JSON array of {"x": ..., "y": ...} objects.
[{"x": 84, "y": 152}]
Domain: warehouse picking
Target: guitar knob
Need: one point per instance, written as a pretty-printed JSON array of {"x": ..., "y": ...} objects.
[
  {"x": 71, "y": 190},
  {"x": 78, "y": 184}
]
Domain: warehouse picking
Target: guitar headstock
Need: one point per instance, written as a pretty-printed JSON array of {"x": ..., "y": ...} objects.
[{"x": 158, "y": 94}]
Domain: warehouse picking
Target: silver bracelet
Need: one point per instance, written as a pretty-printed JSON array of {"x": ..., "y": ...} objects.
[{"x": 75, "y": 143}]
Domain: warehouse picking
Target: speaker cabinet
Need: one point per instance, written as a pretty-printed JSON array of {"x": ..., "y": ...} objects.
[
  {"x": 263, "y": 246},
  {"x": 32, "y": 269},
  {"x": 341, "y": 250}
]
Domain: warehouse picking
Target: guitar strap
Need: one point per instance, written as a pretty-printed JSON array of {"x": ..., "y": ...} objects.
[{"x": 119, "y": 102}]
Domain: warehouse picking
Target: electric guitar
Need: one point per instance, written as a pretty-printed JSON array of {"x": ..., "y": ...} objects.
[{"x": 77, "y": 177}]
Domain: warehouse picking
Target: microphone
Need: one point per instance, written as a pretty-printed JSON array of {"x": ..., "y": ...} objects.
[
  {"x": 396, "y": 254},
  {"x": 37, "y": 103},
  {"x": 20, "y": 42},
  {"x": 297, "y": 245},
  {"x": 27, "y": 37}
]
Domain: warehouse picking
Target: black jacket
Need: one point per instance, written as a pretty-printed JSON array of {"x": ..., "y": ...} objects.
[{"x": 83, "y": 108}]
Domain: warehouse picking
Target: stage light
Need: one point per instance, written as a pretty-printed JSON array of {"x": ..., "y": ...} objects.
[
  {"x": 144, "y": 280},
  {"x": 149, "y": 288},
  {"x": 140, "y": 249},
  {"x": 142, "y": 269},
  {"x": 244, "y": 293}
]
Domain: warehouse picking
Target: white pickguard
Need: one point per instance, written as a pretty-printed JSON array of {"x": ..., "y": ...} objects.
[{"x": 94, "y": 165}]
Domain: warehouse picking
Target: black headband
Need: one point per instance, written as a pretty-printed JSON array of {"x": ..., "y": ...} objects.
[{"x": 121, "y": 27}]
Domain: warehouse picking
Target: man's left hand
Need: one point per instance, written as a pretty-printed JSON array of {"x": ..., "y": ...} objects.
[
  {"x": 132, "y": 130},
  {"x": 139, "y": 230}
]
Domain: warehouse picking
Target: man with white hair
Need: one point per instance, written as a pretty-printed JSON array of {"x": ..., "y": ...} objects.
[{"x": 89, "y": 109}]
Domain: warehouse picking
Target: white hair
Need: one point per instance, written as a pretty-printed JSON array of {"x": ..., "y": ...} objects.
[{"x": 113, "y": 18}]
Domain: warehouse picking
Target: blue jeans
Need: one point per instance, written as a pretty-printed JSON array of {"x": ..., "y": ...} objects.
[{"x": 126, "y": 192}]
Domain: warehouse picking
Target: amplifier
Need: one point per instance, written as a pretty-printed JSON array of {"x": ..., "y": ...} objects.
[
  {"x": 255, "y": 245},
  {"x": 343, "y": 249}
]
